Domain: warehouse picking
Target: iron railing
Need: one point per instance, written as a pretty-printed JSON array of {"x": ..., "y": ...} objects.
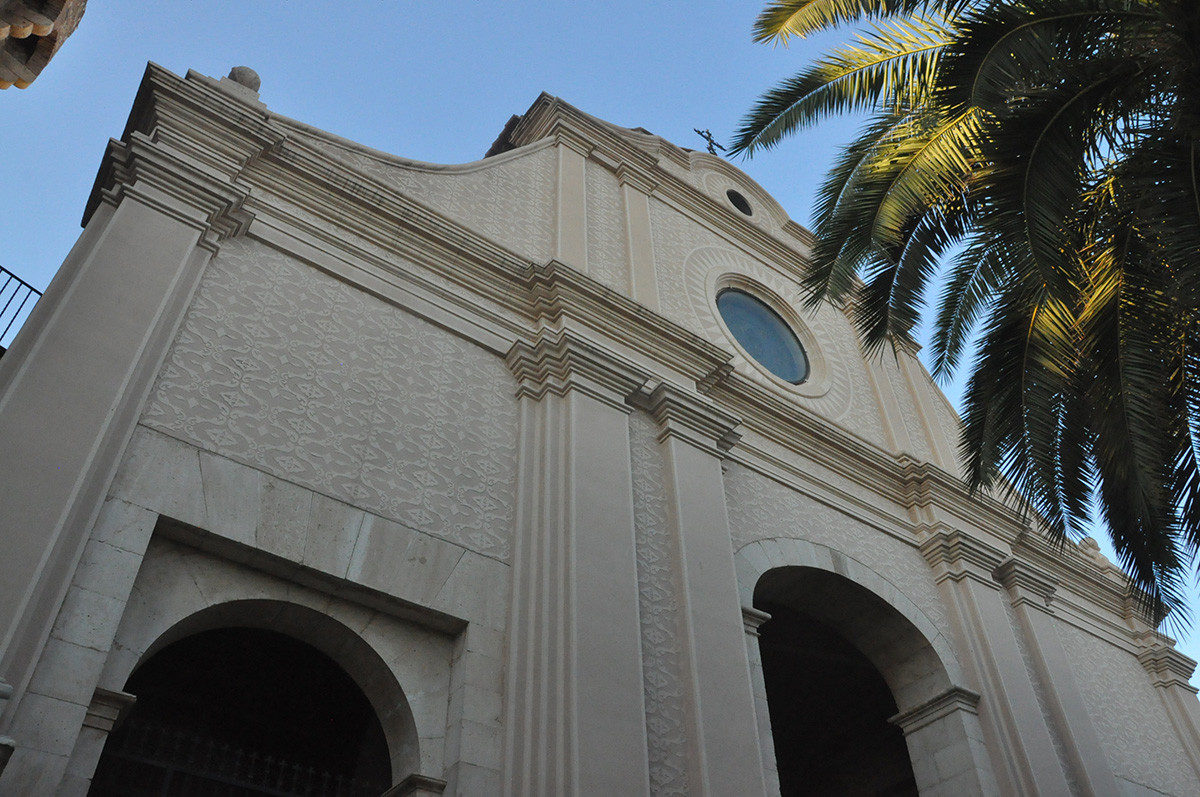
[
  {"x": 145, "y": 759},
  {"x": 15, "y": 294}
]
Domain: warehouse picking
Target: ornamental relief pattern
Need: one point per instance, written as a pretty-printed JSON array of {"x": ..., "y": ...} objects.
[
  {"x": 659, "y": 609},
  {"x": 606, "y": 236},
  {"x": 1130, "y": 719},
  {"x": 281, "y": 367},
  {"x": 762, "y": 509},
  {"x": 509, "y": 198}
]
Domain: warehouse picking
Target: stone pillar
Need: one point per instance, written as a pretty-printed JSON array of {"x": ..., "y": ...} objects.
[
  {"x": 1031, "y": 593},
  {"x": 946, "y": 746},
  {"x": 1017, "y": 734},
  {"x": 635, "y": 198},
  {"x": 570, "y": 225},
  {"x": 73, "y": 384},
  {"x": 574, "y": 710},
  {"x": 1169, "y": 672},
  {"x": 752, "y": 620},
  {"x": 724, "y": 753}
]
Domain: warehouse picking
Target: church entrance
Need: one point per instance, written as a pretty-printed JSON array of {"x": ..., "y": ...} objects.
[
  {"x": 243, "y": 712},
  {"x": 829, "y": 703}
]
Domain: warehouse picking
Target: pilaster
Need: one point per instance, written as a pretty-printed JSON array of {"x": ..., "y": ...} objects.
[
  {"x": 1017, "y": 734},
  {"x": 1170, "y": 672},
  {"x": 570, "y": 237},
  {"x": 752, "y": 620},
  {"x": 1031, "y": 593},
  {"x": 98, "y": 338},
  {"x": 574, "y": 708},
  {"x": 723, "y": 741},
  {"x": 635, "y": 199}
]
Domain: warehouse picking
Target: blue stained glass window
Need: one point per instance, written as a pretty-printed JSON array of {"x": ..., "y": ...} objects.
[{"x": 764, "y": 335}]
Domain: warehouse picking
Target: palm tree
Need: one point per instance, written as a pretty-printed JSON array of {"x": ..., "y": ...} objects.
[{"x": 1041, "y": 160}]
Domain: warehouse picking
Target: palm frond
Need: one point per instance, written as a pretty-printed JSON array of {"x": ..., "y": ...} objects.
[{"x": 886, "y": 68}]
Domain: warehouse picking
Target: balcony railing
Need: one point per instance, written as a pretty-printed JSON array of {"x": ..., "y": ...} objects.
[{"x": 17, "y": 298}]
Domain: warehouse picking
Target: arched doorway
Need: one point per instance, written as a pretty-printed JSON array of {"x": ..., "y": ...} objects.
[
  {"x": 828, "y": 652},
  {"x": 242, "y": 712},
  {"x": 829, "y": 710}
]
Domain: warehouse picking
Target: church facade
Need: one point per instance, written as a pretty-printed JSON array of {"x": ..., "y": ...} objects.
[{"x": 326, "y": 471}]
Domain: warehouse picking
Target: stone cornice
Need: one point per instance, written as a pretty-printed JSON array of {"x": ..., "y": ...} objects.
[
  {"x": 1168, "y": 667},
  {"x": 559, "y": 362},
  {"x": 956, "y": 698},
  {"x": 183, "y": 149},
  {"x": 161, "y": 178},
  {"x": 752, "y": 620},
  {"x": 107, "y": 708},
  {"x": 692, "y": 418},
  {"x": 955, "y": 555},
  {"x": 1026, "y": 585}
]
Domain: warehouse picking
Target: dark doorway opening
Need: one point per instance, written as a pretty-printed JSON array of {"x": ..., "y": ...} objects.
[
  {"x": 241, "y": 712},
  {"x": 829, "y": 708}
]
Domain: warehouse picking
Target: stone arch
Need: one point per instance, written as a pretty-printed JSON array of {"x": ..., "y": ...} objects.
[
  {"x": 337, "y": 641},
  {"x": 936, "y": 712}
]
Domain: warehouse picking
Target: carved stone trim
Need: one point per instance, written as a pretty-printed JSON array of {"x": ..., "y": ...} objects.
[
  {"x": 956, "y": 698},
  {"x": 752, "y": 620},
  {"x": 417, "y": 786},
  {"x": 560, "y": 362},
  {"x": 165, "y": 180},
  {"x": 1168, "y": 667},
  {"x": 956, "y": 555},
  {"x": 691, "y": 418},
  {"x": 1025, "y": 585},
  {"x": 107, "y": 709},
  {"x": 635, "y": 178}
]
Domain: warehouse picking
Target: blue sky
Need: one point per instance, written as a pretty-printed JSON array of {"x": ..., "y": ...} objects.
[{"x": 430, "y": 81}]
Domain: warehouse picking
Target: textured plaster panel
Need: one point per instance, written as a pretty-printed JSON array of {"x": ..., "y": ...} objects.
[
  {"x": 762, "y": 509},
  {"x": 659, "y": 609},
  {"x": 283, "y": 368},
  {"x": 1130, "y": 720},
  {"x": 508, "y": 199},
  {"x": 606, "y": 236}
]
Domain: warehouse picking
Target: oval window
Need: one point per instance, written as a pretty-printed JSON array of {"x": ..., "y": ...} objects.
[{"x": 764, "y": 335}]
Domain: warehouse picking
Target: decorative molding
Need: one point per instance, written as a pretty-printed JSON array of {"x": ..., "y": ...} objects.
[
  {"x": 956, "y": 555},
  {"x": 691, "y": 418},
  {"x": 165, "y": 180},
  {"x": 954, "y": 699},
  {"x": 1026, "y": 585},
  {"x": 555, "y": 291},
  {"x": 1167, "y": 667},
  {"x": 752, "y": 620},
  {"x": 107, "y": 709},
  {"x": 417, "y": 786},
  {"x": 560, "y": 362}
]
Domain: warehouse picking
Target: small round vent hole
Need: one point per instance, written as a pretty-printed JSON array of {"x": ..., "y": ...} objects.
[{"x": 739, "y": 202}]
